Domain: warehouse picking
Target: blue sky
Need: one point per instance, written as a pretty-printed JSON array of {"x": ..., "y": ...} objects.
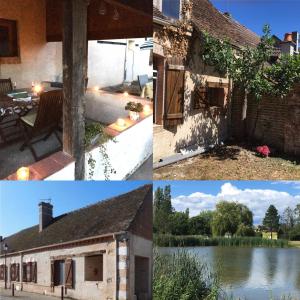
[
  {"x": 282, "y": 15},
  {"x": 257, "y": 195},
  {"x": 19, "y": 200}
]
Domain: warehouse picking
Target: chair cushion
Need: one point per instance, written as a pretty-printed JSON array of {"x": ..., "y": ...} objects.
[{"x": 29, "y": 119}]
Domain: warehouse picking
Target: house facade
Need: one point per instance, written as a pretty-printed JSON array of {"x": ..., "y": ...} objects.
[
  {"x": 103, "y": 251},
  {"x": 192, "y": 101}
]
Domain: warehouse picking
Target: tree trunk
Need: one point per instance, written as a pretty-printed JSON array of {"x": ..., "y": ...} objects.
[{"x": 244, "y": 114}]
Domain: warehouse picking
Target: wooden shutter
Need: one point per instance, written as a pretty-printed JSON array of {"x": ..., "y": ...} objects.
[
  {"x": 101, "y": 268},
  {"x": 2, "y": 272},
  {"x": 34, "y": 272},
  {"x": 69, "y": 273},
  {"x": 200, "y": 98},
  {"x": 174, "y": 103},
  {"x": 52, "y": 273},
  {"x": 24, "y": 273},
  {"x": 17, "y": 272}
]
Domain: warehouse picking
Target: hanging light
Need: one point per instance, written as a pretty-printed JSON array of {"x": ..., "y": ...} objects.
[
  {"x": 116, "y": 14},
  {"x": 102, "y": 8}
]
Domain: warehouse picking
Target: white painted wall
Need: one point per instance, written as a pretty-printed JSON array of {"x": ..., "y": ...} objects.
[
  {"x": 107, "y": 62},
  {"x": 131, "y": 149}
]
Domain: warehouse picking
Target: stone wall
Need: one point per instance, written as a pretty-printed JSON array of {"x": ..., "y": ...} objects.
[{"x": 278, "y": 120}]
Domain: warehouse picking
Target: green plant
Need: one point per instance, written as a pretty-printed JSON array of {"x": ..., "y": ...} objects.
[
  {"x": 134, "y": 106},
  {"x": 249, "y": 68},
  {"x": 182, "y": 276},
  {"x": 97, "y": 130}
]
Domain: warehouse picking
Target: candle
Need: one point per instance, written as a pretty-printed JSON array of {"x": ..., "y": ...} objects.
[
  {"x": 96, "y": 88},
  {"x": 37, "y": 89},
  {"x": 23, "y": 173},
  {"x": 147, "y": 109},
  {"x": 126, "y": 94},
  {"x": 121, "y": 122}
]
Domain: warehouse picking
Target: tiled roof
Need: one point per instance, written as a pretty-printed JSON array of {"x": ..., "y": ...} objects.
[
  {"x": 207, "y": 18},
  {"x": 105, "y": 217}
]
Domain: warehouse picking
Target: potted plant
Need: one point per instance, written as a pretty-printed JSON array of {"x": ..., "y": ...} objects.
[{"x": 134, "y": 109}]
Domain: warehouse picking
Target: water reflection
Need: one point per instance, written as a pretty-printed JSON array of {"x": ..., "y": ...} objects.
[{"x": 253, "y": 273}]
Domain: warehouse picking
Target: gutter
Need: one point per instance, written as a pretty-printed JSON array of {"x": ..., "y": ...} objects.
[{"x": 62, "y": 244}]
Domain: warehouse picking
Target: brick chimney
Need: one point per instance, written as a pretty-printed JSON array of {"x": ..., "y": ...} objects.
[{"x": 45, "y": 215}]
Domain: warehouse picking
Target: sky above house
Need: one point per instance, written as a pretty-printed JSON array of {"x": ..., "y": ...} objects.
[
  {"x": 282, "y": 15},
  {"x": 257, "y": 195},
  {"x": 19, "y": 200}
]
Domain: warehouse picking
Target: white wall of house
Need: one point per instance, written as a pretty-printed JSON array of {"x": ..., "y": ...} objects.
[
  {"x": 110, "y": 63},
  {"x": 91, "y": 290}
]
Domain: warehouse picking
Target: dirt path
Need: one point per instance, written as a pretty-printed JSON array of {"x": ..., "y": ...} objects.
[{"x": 231, "y": 163}]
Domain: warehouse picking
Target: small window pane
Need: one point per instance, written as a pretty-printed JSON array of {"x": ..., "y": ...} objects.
[
  {"x": 8, "y": 38},
  {"x": 171, "y": 8}
]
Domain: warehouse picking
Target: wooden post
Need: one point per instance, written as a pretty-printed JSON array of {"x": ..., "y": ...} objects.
[
  {"x": 62, "y": 293},
  {"x": 13, "y": 290},
  {"x": 74, "y": 73}
]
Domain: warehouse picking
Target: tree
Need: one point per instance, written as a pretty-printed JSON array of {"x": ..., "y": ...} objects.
[
  {"x": 250, "y": 69},
  {"x": 162, "y": 210},
  {"x": 179, "y": 223},
  {"x": 228, "y": 216},
  {"x": 271, "y": 219},
  {"x": 201, "y": 224}
]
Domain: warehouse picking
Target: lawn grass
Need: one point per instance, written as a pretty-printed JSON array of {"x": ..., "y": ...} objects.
[{"x": 231, "y": 162}]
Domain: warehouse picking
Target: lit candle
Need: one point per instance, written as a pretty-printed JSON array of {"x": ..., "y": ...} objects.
[
  {"x": 121, "y": 122},
  {"x": 96, "y": 88},
  {"x": 37, "y": 89},
  {"x": 147, "y": 109},
  {"x": 126, "y": 94},
  {"x": 23, "y": 173}
]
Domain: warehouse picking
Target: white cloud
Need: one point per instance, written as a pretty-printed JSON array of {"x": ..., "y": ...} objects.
[{"x": 258, "y": 200}]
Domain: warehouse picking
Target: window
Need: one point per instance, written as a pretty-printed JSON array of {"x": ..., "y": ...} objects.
[
  {"x": 59, "y": 272},
  {"x": 8, "y": 38},
  {"x": 171, "y": 8},
  {"x": 208, "y": 96},
  {"x": 94, "y": 268},
  {"x": 30, "y": 272}
]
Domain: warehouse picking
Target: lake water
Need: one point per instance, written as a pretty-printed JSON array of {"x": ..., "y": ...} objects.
[{"x": 252, "y": 273}]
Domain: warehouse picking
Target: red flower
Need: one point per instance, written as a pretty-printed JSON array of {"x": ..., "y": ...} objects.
[{"x": 263, "y": 150}]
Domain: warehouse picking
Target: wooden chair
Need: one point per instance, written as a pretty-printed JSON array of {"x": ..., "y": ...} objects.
[
  {"x": 5, "y": 86},
  {"x": 44, "y": 121}
]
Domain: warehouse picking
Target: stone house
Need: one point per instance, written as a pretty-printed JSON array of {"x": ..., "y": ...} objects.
[
  {"x": 192, "y": 101},
  {"x": 102, "y": 251}
]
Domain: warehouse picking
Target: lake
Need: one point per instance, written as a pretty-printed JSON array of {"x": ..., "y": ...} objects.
[{"x": 252, "y": 273}]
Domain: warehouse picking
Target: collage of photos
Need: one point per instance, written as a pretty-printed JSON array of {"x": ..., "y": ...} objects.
[{"x": 150, "y": 149}]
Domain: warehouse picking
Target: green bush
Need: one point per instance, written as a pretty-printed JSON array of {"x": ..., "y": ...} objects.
[
  {"x": 165, "y": 240},
  {"x": 180, "y": 276}
]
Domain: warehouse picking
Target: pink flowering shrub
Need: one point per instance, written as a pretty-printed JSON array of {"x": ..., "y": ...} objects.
[{"x": 263, "y": 151}]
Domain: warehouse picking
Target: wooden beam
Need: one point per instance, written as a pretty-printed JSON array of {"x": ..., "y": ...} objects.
[{"x": 74, "y": 73}]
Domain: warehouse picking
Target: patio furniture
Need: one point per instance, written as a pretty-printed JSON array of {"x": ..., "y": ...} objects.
[
  {"x": 11, "y": 111},
  {"x": 44, "y": 121},
  {"x": 5, "y": 86}
]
